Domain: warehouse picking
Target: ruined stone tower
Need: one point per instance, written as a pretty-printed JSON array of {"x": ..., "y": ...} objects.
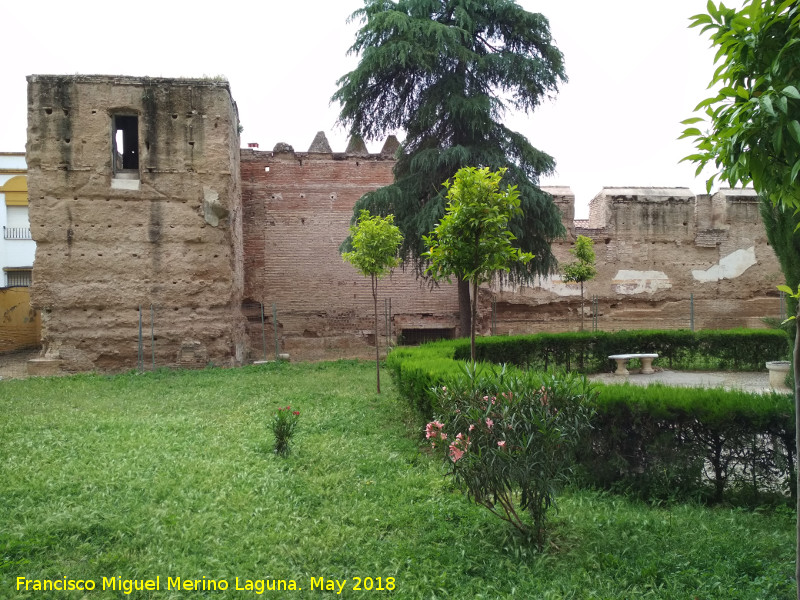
[{"x": 135, "y": 205}]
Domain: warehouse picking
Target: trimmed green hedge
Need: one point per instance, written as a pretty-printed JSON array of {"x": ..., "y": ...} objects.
[
  {"x": 419, "y": 369},
  {"x": 656, "y": 441},
  {"x": 667, "y": 442},
  {"x": 588, "y": 352}
]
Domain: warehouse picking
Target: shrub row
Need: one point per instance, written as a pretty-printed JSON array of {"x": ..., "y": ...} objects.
[
  {"x": 656, "y": 441},
  {"x": 417, "y": 370},
  {"x": 588, "y": 352},
  {"x": 666, "y": 442}
]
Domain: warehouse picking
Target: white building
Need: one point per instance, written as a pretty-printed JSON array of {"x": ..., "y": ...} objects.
[{"x": 17, "y": 248}]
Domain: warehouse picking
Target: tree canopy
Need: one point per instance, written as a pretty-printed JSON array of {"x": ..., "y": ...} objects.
[
  {"x": 374, "y": 244},
  {"x": 446, "y": 72},
  {"x": 753, "y": 119},
  {"x": 472, "y": 241},
  {"x": 754, "y": 127},
  {"x": 582, "y": 269}
]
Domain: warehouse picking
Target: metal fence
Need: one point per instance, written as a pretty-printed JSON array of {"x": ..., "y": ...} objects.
[
  {"x": 689, "y": 312},
  {"x": 157, "y": 336}
]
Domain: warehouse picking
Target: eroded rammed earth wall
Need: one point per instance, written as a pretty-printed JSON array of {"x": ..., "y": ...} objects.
[
  {"x": 660, "y": 250},
  {"x": 167, "y": 234}
]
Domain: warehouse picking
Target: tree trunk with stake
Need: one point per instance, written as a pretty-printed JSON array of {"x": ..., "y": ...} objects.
[
  {"x": 796, "y": 366},
  {"x": 377, "y": 345},
  {"x": 474, "y": 318},
  {"x": 464, "y": 307}
]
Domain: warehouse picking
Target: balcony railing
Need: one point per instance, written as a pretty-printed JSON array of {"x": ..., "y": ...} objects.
[{"x": 17, "y": 233}]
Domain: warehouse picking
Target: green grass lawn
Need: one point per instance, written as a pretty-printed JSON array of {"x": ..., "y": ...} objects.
[{"x": 171, "y": 474}]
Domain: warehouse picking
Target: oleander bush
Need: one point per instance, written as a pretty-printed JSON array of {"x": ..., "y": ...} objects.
[{"x": 508, "y": 439}]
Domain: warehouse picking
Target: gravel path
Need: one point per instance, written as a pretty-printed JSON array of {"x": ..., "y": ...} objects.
[{"x": 749, "y": 381}]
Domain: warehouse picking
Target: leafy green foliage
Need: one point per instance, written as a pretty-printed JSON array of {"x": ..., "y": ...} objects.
[
  {"x": 656, "y": 441},
  {"x": 731, "y": 349},
  {"x": 754, "y": 132},
  {"x": 445, "y": 72},
  {"x": 283, "y": 424},
  {"x": 417, "y": 370},
  {"x": 582, "y": 269},
  {"x": 374, "y": 242},
  {"x": 508, "y": 439},
  {"x": 781, "y": 225},
  {"x": 473, "y": 241}
]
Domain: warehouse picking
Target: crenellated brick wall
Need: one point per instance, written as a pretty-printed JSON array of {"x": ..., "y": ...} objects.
[{"x": 297, "y": 211}]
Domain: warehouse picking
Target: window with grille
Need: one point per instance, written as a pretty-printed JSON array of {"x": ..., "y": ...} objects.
[{"x": 18, "y": 277}]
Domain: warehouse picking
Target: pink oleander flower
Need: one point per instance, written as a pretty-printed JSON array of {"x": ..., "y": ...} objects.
[
  {"x": 472, "y": 426},
  {"x": 486, "y": 398},
  {"x": 489, "y": 422},
  {"x": 433, "y": 429},
  {"x": 455, "y": 453},
  {"x": 502, "y": 444},
  {"x": 460, "y": 436}
]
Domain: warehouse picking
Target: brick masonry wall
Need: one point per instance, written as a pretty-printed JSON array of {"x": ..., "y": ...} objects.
[
  {"x": 659, "y": 250},
  {"x": 655, "y": 248},
  {"x": 297, "y": 211}
]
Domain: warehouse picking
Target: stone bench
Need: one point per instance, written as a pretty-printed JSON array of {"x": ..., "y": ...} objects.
[{"x": 622, "y": 362}]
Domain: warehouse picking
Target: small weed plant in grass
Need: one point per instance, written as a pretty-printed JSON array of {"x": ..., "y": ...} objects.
[
  {"x": 508, "y": 439},
  {"x": 284, "y": 422}
]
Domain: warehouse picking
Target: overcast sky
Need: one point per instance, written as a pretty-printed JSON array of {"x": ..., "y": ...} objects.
[{"x": 635, "y": 71}]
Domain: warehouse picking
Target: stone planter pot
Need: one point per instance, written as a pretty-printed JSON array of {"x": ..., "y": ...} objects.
[{"x": 778, "y": 370}]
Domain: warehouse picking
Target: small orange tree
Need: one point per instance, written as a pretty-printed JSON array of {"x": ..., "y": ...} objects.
[
  {"x": 472, "y": 241},
  {"x": 582, "y": 269},
  {"x": 374, "y": 241}
]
